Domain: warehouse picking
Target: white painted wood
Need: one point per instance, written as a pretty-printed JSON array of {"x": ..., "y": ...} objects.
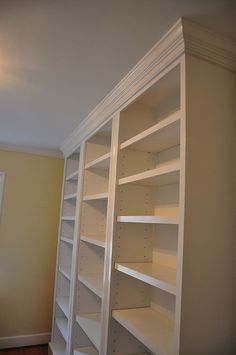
[
  {"x": 100, "y": 196},
  {"x": 24, "y": 340},
  {"x": 166, "y": 173},
  {"x": 73, "y": 176},
  {"x": 159, "y": 137},
  {"x": 62, "y": 324},
  {"x": 57, "y": 349},
  {"x": 70, "y": 196},
  {"x": 63, "y": 303},
  {"x": 66, "y": 272},
  {"x": 68, "y": 218},
  {"x": 156, "y": 275},
  {"x": 91, "y": 324},
  {"x": 151, "y": 327},
  {"x": 98, "y": 240},
  {"x": 149, "y": 219},
  {"x": 2, "y": 179},
  {"x": 85, "y": 351},
  {"x": 103, "y": 162},
  {"x": 67, "y": 240},
  {"x": 94, "y": 282}
]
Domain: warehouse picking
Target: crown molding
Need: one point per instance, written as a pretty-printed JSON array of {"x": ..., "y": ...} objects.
[
  {"x": 55, "y": 153},
  {"x": 183, "y": 37},
  {"x": 209, "y": 45}
]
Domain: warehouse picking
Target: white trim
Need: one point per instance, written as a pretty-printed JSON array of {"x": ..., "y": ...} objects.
[
  {"x": 31, "y": 150},
  {"x": 2, "y": 180},
  {"x": 183, "y": 37},
  {"x": 24, "y": 340}
]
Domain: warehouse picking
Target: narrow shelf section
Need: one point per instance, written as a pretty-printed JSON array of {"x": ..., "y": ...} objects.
[
  {"x": 57, "y": 348},
  {"x": 62, "y": 324},
  {"x": 100, "y": 196},
  {"x": 94, "y": 282},
  {"x": 68, "y": 218},
  {"x": 156, "y": 275},
  {"x": 162, "y": 135},
  {"x": 102, "y": 162},
  {"x": 85, "y": 351},
  {"x": 65, "y": 272},
  {"x": 63, "y": 303},
  {"x": 73, "y": 176},
  {"x": 67, "y": 240},
  {"x": 70, "y": 196},
  {"x": 98, "y": 240},
  {"x": 149, "y": 219},
  {"x": 90, "y": 323},
  {"x": 149, "y": 326},
  {"x": 164, "y": 174}
]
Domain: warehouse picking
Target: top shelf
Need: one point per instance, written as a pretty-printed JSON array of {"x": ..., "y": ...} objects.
[{"x": 163, "y": 135}]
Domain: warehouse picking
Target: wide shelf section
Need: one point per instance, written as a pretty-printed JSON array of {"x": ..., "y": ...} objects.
[
  {"x": 103, "y": 162},
  {"x": 153, "y": 274},
  {"x": 94, "y": 282},
  {"x": 98, "y": 240},
  {"x": 161, "y": 136},
  {"x": 91, "y": 325},
  {"x": 62, "y": 325},
  {"x": 166, "y": 173},
  {"x": 63, "y": 303},
  {"x": 149, "y": 219},
  {"x": 57, "y": 348},
  {"x": 88, "y": 350},
  {"x": 149, "y": 326}
]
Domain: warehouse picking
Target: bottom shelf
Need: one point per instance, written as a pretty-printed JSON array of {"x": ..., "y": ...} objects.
[
  {"x": 57, "y": 349},
  {"x": 90, "y": 323},
  {"x": 85, "y": 351},
  {"x": 149, "y": 326}
]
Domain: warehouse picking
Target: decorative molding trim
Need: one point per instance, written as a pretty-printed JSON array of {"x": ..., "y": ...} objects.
[
  {"x": 183, "y": 37},
  {"x": 24, "y": 340},
  {"x": 168, "y": 48},
  {"x": 208, "y": 45},
  {"x": 56, "y": 153}
]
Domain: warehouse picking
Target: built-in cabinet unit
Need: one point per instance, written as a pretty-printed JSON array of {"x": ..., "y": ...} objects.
[{"x": 145, "y": 262}]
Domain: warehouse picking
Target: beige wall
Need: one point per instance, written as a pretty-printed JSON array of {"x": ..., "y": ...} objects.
[{"x": 28, "y": 237}]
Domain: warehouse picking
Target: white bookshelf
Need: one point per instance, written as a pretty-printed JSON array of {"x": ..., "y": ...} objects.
[{"x": 147, "y": 199}]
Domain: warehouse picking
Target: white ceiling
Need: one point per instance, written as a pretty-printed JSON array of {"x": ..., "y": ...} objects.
[{"x": 59, "y": 58}]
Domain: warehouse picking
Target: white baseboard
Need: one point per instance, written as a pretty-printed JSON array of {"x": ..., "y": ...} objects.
[{"x": 24, "y": 340}]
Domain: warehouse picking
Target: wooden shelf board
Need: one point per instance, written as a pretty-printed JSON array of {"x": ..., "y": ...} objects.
[
  {"x": 72, "y": 176},
  {"x": 149, "y": 326},
  {"x": 95, "y": 240},
  {"x": 167, "y": 173},
  {"x": 91, "y": 325},
  {"x": 163, "y": 135},
  {"x": 149, "y": 219},
  {"x": 63, "y": 303},
  {"x": 156, "y": 275},
  {"x": 70, "y": 196},
  {"x": 102, "y": 162},
  {"x": 88, "y": 350},
  {"x": 67, "y": 240},
  {"x": 94, "y": 282},
  {"x": 68, "y": 218},
  {"x": 62, "y": 324},
  {"x": 65, "y": 272},
  {"x": 57, "y": 349},
  {"x": 100, "y": 196}
]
